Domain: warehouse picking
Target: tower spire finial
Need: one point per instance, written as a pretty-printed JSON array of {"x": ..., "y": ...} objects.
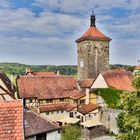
[{"x": 92, "y": 18}]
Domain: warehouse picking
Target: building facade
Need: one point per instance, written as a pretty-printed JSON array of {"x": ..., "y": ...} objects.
[
  {"x": 92, "y": 52},
  {"x": 7, "y": 88}
]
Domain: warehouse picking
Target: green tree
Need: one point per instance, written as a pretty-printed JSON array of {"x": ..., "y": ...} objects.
[
  {"x": 111, "y": 96},
  {"x": 71, "y": 133},
  {"x": 129, "y": 120}
]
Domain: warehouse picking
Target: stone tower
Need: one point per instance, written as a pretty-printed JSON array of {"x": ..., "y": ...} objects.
[{"x": 93, "y": 52}]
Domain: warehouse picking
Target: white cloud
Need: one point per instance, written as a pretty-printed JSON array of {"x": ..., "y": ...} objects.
[
  {"x": 79, "y": 6},
  {"x": 23, "y": 20},
  {"x": 125, "y": 51},
  {"x": 5, "y": 4}
]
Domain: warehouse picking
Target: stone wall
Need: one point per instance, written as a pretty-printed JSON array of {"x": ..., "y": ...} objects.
[
  {"x": 108, "y": 118},
  {"x": 93, "y": 57}
]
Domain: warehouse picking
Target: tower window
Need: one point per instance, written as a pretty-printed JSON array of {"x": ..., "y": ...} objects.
[{"x": 81, "y": 63}]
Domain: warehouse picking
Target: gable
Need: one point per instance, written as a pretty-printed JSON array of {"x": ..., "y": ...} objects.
[{"x": 99, "y": 82}]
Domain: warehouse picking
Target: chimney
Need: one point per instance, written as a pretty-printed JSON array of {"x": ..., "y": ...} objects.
[
  {"x": 58, "y": 73},
  {"x": 87, "y": 96},
  {"x": 78, "y": 85},
  {"x": 28, "y": 70}
]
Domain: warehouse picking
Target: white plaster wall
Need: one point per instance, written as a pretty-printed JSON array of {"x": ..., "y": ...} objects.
[
  {"x": 1, "y": 91},
  {"x": 53, "y": 135},
  {"x": 79, "y": 114},
  {"x": 87, "y": 96},
  {"x": 6, "y": 96},
  {"x": 99, "y": 82},
  {"x": 55, "y": 116},
  {"x": 3, "y": 85},
  {"x": 92, "y": 115},
  {"x": 49, "y": 136}
]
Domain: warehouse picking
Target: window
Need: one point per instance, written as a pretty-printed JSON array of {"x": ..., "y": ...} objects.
[
  {"x": 62, "y": 111},
  {"x": 31, "y": 100},
  {"x": 78, "y": 116},
  {"x": 71, "y": 114},
  {"x": 82, "y": 102},
  {"x": 61, "y": 100},
  {"x": 75, "y": 102},
  {"x": 82, "y": 119},
  {"x": 26, "y": 123},
  {"x": 47, "y": 113},
  {"x": 41, "y": 136},
  {"x": 41, "y": 102},
  {"x": 27, "y": 101},
  {"x": 81, "y": 63},
  {"x": 49, "y": 101}
]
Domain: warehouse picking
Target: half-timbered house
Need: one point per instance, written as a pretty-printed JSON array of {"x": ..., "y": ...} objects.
[{"x": 7, "y": 88}]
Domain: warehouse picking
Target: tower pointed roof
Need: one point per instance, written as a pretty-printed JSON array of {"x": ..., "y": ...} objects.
[{"x": 93, "y": 33}]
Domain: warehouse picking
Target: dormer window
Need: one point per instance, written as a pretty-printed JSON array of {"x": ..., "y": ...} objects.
[{"x": 26, "y": 124}]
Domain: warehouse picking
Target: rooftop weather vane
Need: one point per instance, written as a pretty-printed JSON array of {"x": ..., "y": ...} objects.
[{"x": 92, "y": 19}]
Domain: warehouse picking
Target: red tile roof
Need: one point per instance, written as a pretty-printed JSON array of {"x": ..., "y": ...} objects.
[
  {"x": 56, "y": 107},
  {"x": 119, "y": 79},
  {"x": 8, "y": 84},
  {"x": 87, "y": 108},
  {"x": 137, "y": 67},
  {"x": 40, "y": 73},
  {"x": 11, "y": 124},
  {"x": 35, "y": 124},
  {"x": 77, "y": 94},
  {"x": 86, "y": 83},
  {"x": 93, "y": 34},
  {"x": 46, "y": 87}
]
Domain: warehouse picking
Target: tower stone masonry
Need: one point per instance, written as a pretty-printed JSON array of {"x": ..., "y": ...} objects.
[{"x": 92, "y": 52}]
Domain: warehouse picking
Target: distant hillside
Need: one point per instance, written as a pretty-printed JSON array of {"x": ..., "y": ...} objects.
[
  {"x": 127, "y": 67},
  {"x": 19, "y": 69}
]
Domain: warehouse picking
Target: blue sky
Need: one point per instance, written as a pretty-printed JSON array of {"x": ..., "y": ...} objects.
[{"x": 44, "y": 31}]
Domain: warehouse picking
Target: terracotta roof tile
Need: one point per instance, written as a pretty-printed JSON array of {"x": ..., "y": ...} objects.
[
  {"x": 86, "y": 83},
  {"x": 118, "y": 79},
  {"x": 46, "y": 87},
  {"x": 11, "y": 120},
  {"x": 40, "y": 73},
  {"x": 77, "y": 94},
  {"x": 87, "y": 108},
  {"x": 137, "y": 67},
  {"x": 93, "y": 34},
  {"x": 35, "y": 124},
  {"x": 56, "y": 107}
]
